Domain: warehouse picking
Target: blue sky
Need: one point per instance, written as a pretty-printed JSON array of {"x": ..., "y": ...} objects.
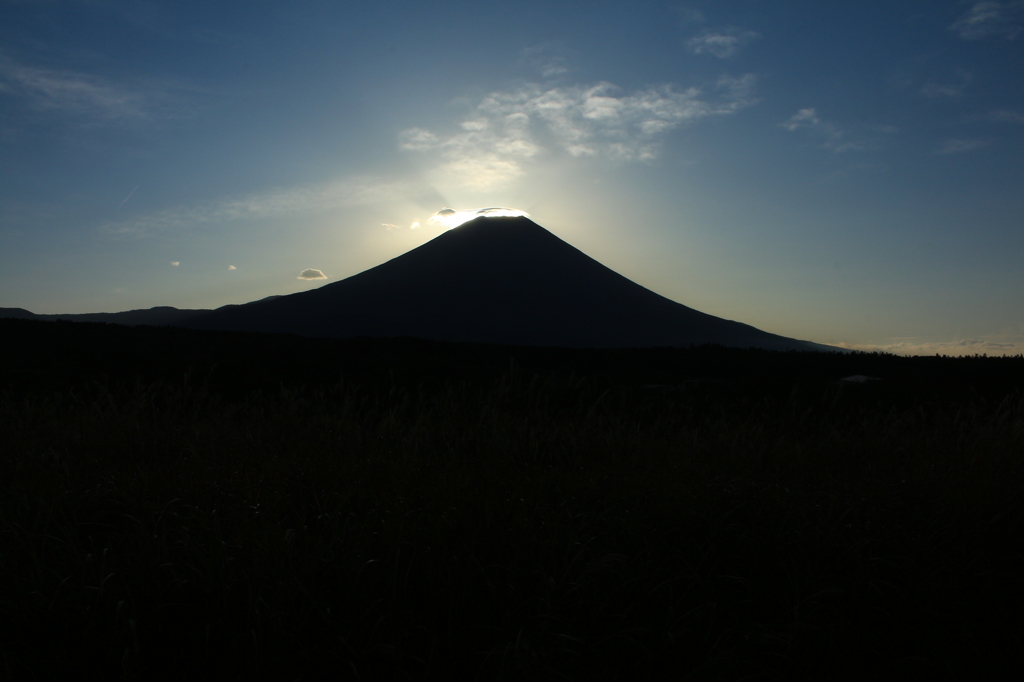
[{"x": 847, "y": 173}]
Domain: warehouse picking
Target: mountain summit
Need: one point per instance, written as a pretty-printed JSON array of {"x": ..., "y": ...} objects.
[{"x": 500, "y": 280}]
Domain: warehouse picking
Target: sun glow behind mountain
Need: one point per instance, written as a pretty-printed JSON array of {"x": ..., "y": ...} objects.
[{"x": 451, "y": 217}]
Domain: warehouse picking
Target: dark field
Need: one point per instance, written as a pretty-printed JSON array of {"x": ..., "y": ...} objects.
[{"x": 179, "y": 504}]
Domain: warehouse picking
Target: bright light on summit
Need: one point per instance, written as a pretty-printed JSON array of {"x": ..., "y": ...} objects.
[{"x": 451, "y": 217}]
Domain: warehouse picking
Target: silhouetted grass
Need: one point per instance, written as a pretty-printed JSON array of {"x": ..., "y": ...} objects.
[{"x": 518, "y": 525}]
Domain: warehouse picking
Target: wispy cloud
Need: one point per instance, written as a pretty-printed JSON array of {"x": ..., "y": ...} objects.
[
  {"x": 175, "y": 263},
  {"x": 270, "y": 204},
  {"x": 960, "y": 146},
  {"x": 507, "y": 129},
  {"x": 125, "y": 200},
  {"x": 82, "y": 95},
  {"x": 805, "y": 118},
  {"x": 1006, "y": 116},
  {"x": 991, "y": 20},
  {"x": 721, "y": 43},
  {"x": 550, "y": 60},
  {"x": 311, "y": 273},
  {"x": 689, "y": 15},
  {"x": 389, "y": 227},
  {"x": 951, "y": 88},
  {"x": 834, "y": 137},
  {"x": 232, "y": 267}
]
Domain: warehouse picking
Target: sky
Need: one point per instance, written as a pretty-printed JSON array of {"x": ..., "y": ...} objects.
[{"x": 846, "y": 173}]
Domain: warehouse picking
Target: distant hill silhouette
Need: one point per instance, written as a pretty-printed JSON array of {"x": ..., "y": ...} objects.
[
  {"x": 495, "y": 280},
  {"x": 159, "y": 316},
  {"x": 503, "y": 280}
]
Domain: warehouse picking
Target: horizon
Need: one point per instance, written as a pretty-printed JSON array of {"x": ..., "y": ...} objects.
[{"x": 845, "y": 175}]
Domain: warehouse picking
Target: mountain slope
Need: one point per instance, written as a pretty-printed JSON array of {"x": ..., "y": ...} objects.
[{"x": 494, "y": 280}]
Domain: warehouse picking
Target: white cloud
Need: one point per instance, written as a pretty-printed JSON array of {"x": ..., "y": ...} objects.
[
  {"x": 270, "y": 204},
  {"x": 451, "y": 217},
  {"x": 721, "y": 43},
  {"x": 417, "y": 139},
  {"x": 82, "y": 95},
  {"x": 833, "y": 137},
  {"x": 389, "y": 227},
  {"x": 311, "y": 273},
  {"x": 175, "y": 263},
  {"x": 232, "y": 267},
  {"x": 996, "y": 345},
  {"x": 479, "y": 170},
  {"x": 991, "y": 20},
  {"x": 507, "y": 129},
  {"x": 805, "y": 118},
  {"x": 959, "y": 146}
]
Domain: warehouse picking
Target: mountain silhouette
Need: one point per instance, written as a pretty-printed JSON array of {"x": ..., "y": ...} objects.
[
  {"x": 502, "y": 280},
  {"x": 160, "y": 316}
]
